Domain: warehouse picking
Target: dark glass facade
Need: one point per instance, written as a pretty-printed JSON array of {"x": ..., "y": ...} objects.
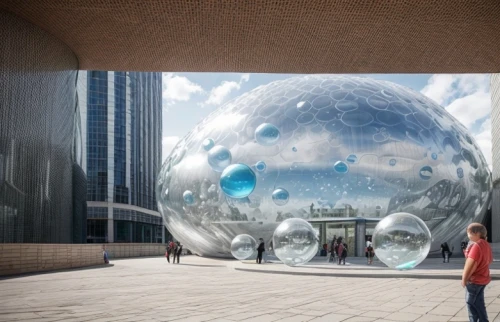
[
  {"x": 495, "y": 137},
  {"x": 123, "y": 154},
  {"x": 37, "y": 135}
]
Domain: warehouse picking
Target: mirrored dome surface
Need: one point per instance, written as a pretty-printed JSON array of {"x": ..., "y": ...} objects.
[{"x": 327, "y": 142}]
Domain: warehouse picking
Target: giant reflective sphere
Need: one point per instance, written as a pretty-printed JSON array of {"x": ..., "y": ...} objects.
[
  {"x": 322, "y": 147},
  {"x": 243, "y": 247},
  {"x": 401, "y": 241},
  {"x": 295, "y": 242}
]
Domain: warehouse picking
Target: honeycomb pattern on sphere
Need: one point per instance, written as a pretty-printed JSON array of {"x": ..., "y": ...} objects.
[
  {"x": 347, "y": 147},
  {"x": 37, "y": 107}
]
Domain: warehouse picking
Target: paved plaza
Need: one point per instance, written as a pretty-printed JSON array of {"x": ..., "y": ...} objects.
[{"x": 201, "y": 289}]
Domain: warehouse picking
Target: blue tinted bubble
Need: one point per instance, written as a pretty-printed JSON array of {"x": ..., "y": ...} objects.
[
  {"x": 434, "y": 156},
  {"x": 341, "y": 167},
  {"x": 294, "y": 149},
  {"x": 352, "y": 158},
  {"x": 188, "y": 197},
  {"x": 460, "y": 173},
  {"x": 280, "y": 196},
  {"x": 267, "y": 134},
  {"x": 392, "y": 162},
  {"x": 219, "y": 158},
  {"x": 208, "y": 144},
  {"x": 260, "y": 166},
  {"x": 237, "y": 180},
  {"x": 425, "y": 172}
]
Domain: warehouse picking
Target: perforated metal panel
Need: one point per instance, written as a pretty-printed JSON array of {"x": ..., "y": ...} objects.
[
  {"x": 37, "y": 107},
  {"x": 281, "y": 36}
]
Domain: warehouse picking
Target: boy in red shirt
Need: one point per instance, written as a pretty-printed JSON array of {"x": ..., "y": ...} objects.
[{"x": 476, "y": 274}]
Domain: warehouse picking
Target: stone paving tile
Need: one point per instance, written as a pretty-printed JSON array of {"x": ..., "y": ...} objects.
[
  {"x": 360, "y": 319},
  {"x": 149, "y": 290}
]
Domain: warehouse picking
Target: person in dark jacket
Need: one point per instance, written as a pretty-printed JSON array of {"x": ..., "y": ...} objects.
[
  {"x": 261, "y": 249},
  {"x": 445, "y": 252},
  {"x": 178, "y": 252}
]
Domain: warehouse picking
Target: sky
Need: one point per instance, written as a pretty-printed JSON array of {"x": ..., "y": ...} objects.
[{"x": 190, "y": 97}]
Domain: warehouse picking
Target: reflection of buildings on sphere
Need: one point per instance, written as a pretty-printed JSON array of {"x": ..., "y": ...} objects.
[{"x": 323, "y": 149}]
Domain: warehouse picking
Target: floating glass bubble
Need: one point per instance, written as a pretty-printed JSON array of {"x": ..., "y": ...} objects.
[
  {"x": 434, "y": 156},
  {"x": 260, "y": 166},
  {"x": 208, "y": 144},
  {"x": 267, "y": 134},
  {"x": 280, "y": 196},
  {"x": 219, "y": 158},
  {"x": 188, "y": 197},
  {"x": 341, "y": 167},
  {"x": 425, "y": 172},
  {"x": 294, "y": 149},
  {"x": 352, "y": 158},
  {"x": 243, "y": 247},
  {"x": 401, "y": 240},
  {"x": 295, "y": 242},
  {"x": 328, "y": 119},
  {"x": 237, "y": 180}
]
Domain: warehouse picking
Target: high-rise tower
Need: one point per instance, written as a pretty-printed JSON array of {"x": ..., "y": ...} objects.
[{"x": 121, "y": 115}]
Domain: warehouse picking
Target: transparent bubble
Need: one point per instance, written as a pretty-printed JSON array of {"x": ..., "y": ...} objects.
[
  {"x": 425, "y": 172},
  {"x": 341, "y": 167},
  {"x": 401, "y": 240},
  {"x": 294, "y": 149},
  {"x": 188, "y": 197},
  {"x": 219, "y": 158},
  {"x": 280, "y": 196},
  {"x": 267, "y": 134},
  {"x": 434, "y": 156},
  {"x": 392, "y": 162},
  {"x": 352, "y": 158},
  {"x": 237, "y": 181},
  {"x": 260, "y": 166},
  {"x": 208, "y": 144},
  {"x": 460, "y": 173},
  {"x": 243, "y": 247},
  {"x": 295, "y": 242}
]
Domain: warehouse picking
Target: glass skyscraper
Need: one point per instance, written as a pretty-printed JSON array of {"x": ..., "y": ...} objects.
[{"x": 121, "y": 117}]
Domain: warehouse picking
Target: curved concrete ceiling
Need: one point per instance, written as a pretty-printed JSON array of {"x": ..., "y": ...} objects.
[{"x": 274, "y": 36}]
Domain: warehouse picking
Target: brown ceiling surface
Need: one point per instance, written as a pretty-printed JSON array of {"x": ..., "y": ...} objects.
[{"x": 275, "y": 36}]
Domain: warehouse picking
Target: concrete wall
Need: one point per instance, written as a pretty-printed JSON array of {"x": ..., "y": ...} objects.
[{"x": 27, "y": 258}]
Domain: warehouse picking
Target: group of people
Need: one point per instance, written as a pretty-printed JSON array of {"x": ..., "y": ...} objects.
[
  {"x": 338, "y": 249},
  {"x": 174, "y": 249}
]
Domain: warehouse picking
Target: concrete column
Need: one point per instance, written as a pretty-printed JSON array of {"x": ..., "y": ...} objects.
[
  {"x": 111, "y": 230},
  {"x": 360, "y": 237}
]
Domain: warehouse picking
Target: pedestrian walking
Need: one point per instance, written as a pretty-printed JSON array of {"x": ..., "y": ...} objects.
[
  {"x": 445, "y": 252},
  {"x": 178, "y": 252},
  {"x": 261, "y": 249},
  {"x": 369, "y": 253},
  {"x": 476, "y": 273}
]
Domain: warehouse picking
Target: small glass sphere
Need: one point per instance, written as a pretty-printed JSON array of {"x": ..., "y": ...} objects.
[
  {"x": 237, "y": 180},
  {"x": 425, "y": 172},
  {"x": 260, "y": 166},
  {"x": 392, "y": 162},
  {"x": 219, "y": 158},
  {"x": 295, "y": 242},
  {"x": 243, "y": 247},
  {"x": 341, "y": 167},
  {"x": 352, "y": 158},
  {"x": 294, "y": 149},
  {"x": 208, "y": 144},
  {"x": 401, "y": 240},
  {"x": 434, "y": 156},
  {"x": 280, "y": 197},
  {"x": 267, "y": 134},
  {"x": 460, "y": 173},
  {"x": 188, "y": 197}
]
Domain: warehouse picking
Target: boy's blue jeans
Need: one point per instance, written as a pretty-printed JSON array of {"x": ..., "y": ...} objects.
[{"x": 474, "y": 298}]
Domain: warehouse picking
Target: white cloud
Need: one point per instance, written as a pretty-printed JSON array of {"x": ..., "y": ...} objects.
[
  {"x": 467, "y": 98},
  {"x": 220, "y": 93},
  {"x": 179, "y": 88},
  {"x": 167, "y": 144}
]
